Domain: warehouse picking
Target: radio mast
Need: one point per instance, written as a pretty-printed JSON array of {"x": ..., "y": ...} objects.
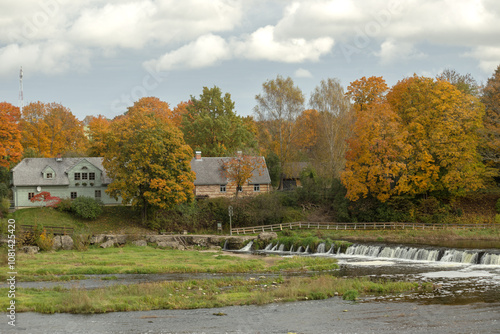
[{"x": 21, "y": 96}]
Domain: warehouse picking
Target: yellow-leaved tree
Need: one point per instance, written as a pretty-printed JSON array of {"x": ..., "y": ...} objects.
[{"x": 148, "y": 160}]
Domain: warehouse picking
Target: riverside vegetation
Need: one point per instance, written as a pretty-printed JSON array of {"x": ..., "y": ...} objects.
[
  {"x": 326, "y": 204},
  {"x": 183, "y": 294}
]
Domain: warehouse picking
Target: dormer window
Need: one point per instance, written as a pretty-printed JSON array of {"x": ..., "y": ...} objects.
[{"x": 49, "y": 175}]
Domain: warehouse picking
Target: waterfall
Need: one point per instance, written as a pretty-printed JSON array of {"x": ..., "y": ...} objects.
[
  {"x": 291, "y": 249},
  {"x": 281, "y": 248},
  {"x": 268, "y": 247},
  {"x": 274, "y": 248},
  {"x": 424, "y": 254},
  {"x": 321, "y": 248},
  {"x": 247, "y": 248},
  {"x": 300, "y": 249},
  {"x": 225, "y": 245},
  {"x": 307, "y": 250}
]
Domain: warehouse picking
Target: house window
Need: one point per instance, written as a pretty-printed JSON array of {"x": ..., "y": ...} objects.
[
  {"x": 222, "y": 188},
  {"x": 77, "y": 176},
  {"x": 49, "y": 175},
  {"x": 73, "y": 195},
  {"x": 256, "y": 187},
  {"x": 91, "y": 176},
  {"x": 97, "y": 194},
  {"x": 240, "y": 189},
  {"x": 85, "y": 176},
  {"x": 31, "y": 195}
]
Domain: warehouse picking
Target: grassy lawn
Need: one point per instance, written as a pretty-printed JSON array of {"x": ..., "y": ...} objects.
[
  {"x": 63, "y": 265},
  {"x": 114, "y": 219},
  {"x": 200, "y": 294}
]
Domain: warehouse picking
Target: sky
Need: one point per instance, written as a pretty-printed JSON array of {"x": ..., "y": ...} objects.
[{"x": 98, "y": 57}]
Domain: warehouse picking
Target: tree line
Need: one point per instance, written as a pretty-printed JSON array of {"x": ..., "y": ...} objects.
[{"x": 422, "y": 135}]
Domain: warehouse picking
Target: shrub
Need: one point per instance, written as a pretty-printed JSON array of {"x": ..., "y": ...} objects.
[
  {"x": 4, "y": 207},
  {"x": 497, "y": 206},
  {"x": 86, "y": 207},
  {"x": 350, "y": 295},
  {"x": 45, "y": 241},
  {"x": 64, "y": 205}
]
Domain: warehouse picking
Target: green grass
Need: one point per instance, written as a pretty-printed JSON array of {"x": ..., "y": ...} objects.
[
  {"x": 198, "y": 294},
  {"x": 114, "y": 219},
  {"x": 147, "y": 260}
]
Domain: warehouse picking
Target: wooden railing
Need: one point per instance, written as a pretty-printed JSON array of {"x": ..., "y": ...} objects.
[
  {"x": 56, "y": 230},
  {"x": 356, "y": 226}
]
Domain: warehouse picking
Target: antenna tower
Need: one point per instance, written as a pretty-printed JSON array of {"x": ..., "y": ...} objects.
[{"x": 21, "y": 96}]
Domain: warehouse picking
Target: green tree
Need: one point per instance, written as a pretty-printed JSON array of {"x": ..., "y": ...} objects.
[
  {"x": 148, "y": 161},
  {"x": 212, "y": 126},
  {"x": 464, "y": 83},
  {"x": 278, "y": 106}
]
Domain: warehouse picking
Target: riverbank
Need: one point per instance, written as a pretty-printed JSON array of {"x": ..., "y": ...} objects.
[{"x": 320, "y": 316}]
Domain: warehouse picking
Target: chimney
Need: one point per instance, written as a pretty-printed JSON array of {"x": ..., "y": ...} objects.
[
  {"x": 197, "y": 155},
  {"x": 59, "y": 157}
]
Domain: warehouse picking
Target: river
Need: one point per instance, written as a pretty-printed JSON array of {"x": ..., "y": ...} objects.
[{"x": 467, "y": 300}]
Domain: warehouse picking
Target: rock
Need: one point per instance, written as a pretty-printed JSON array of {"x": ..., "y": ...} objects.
[
  {"x": 57, "y": 242},
  {"x": 118, "y": 238},
  {"x": 97, "y": 239},
  {"x": 66, "y": 242},
  {"x": 170, "y": 244},
  {"x": 141, "y": 243},
  {"x": 108, "y": 243},
  {"x": 267, "y": 236},
  {"x": 30, "y": 249}
]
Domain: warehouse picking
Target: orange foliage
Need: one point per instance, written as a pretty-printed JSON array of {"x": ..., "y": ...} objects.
[
  {"x": 10, "y": 135},
  {"x": 50, "y": 128}
]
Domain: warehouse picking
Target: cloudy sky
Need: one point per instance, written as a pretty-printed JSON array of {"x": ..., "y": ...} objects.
[{"x": 97, "y": 57}]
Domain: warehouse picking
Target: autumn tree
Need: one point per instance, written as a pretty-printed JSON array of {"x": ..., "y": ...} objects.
[
  {"x": 278, "y": 106},
  {"x": 148, "y": 161},
  {"x": 442, "y": 123},
  {"x": 376, "y": 159},
  {"x": 434, "y": 147},
  {"x": 179, "y": 112},
  {"x": 240, "y": 169},
  {"x": 50, "y": 128},
  {"x": 490, "y": 135},
  {"x": 153, "y": 105},
  {"x": 10, "y": 135},
  {"x": 364, "y": 91},
  {"x": 98, "y": 132},
  {"x": 463, "y": 82},
  {"x": 334, "y": 126},
  {"x": 212, "y": 126}
]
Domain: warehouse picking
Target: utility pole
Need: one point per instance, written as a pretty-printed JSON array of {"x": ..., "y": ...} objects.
[{"x": 21, "y": 95}]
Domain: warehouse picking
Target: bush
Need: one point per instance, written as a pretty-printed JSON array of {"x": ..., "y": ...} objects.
[
  {"x": 497, "y": 206},
  {"x": 45, "y": 241},
  {"x": 86, "y": 207},
  {"x": 64, "y": 205},
  {"x": 350, "y": 295},
  {"x": 4, "y": 207}
]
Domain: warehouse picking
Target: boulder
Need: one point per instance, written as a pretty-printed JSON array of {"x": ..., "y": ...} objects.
[
  {"x": 97, "y": 239},
  {"x": 267, "y": 236},
  {"x": 141, "y": 243},
  {"x": 30, "y": 249},
  {"x": 108, "y": 243},
  {"x": 66, "y": 242},
  {"x": 118, "y": 238},
  {"x": 57, "y": 242},
  {"x": 170, "y": 244}
]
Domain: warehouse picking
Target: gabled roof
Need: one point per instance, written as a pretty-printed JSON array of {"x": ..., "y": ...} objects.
[
  {"x": 208, "y": 172},
  {"x": 29, "y": 171}
]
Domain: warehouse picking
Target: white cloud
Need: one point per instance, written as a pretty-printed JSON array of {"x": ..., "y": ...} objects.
[
  {"x": 392, "y": 51},
  {"x": 303, "y": 73},
  {"x": 205, "y": 51},
  {"x": 488, "y": 57},
  {"x": 49, "y": 58},
  {"x": 263, "y": 45}
]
